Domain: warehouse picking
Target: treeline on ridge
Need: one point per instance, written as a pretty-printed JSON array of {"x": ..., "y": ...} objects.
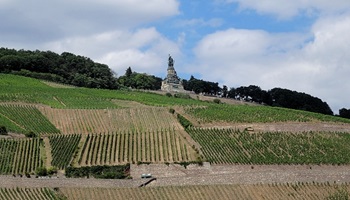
[
  {"x": 279, "y": 97},
  {"x": 66, "y": 68}
]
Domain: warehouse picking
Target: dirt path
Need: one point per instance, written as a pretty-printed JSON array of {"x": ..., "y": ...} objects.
[
  {"x": 242, "y": 174},
  {"x": 177, "y": 175},
  {"x": 48, "y": 153},
  {"x": 286, "y": 126}
]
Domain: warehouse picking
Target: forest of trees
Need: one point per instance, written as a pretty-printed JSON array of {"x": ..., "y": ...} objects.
[
  {"x": 200, "y": 86},
  {"x": 140, "y": 81},
  {"x": 81, "y": 71},
  {"x": 281, "y": 98},
  {"x": 66, "y": 68}
]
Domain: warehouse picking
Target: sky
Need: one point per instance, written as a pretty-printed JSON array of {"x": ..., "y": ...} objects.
[{"x": 301, "y": 45}]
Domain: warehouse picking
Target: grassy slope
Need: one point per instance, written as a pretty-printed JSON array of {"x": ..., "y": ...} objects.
[{"x": 23, "y": 89}]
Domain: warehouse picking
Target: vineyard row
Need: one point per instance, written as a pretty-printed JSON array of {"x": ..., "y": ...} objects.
[
  {"x": 28, "y": 193},
  {"x": 19, "y": 156},
  {"x": 266, "y": 191},
  {"x": 231, "y": 146},
  {"x": 84, "y": 121},
  {"x": 26, "y": 118},
  {"x": 133, "y": 147}
]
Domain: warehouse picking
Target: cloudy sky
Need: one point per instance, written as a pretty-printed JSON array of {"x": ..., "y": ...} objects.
[{"x": 302, "y": 45}]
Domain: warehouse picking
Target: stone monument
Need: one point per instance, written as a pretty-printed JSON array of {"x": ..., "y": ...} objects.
[{"x": 172, "y": 83}]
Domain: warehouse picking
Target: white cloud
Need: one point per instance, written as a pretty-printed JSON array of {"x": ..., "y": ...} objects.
[
  {"x": 42, "y": 21},
  {"x": 317, "y": 65},
  {"x": 142, "y": 49},
  {"x": 286, "y": 8}
]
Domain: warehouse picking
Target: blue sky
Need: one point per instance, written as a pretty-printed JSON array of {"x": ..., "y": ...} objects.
[{"x": 302, "y": 45}]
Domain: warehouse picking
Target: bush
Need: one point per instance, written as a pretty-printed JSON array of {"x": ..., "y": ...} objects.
[
  {"x": 52, "y": 170},
  {"x": 3, "y": 130},
  {"x": 183, "y": 121},
  {"x": 171, "y": 110},
  {"x": 41, "y": 171},
  {"x": 168, "y": 94},
  {"x": 104, "y": 172},
  {"x": 30, "y": 134},
  {"x": 218, "y": 101},
  {"x": 182, "y": 96}
]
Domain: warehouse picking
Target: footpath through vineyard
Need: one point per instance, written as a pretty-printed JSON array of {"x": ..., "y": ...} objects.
[{"x": 176, "y": 175}]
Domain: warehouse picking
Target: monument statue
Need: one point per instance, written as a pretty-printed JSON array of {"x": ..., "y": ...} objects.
[
  {"x": 171, "y": 61},
  {"x": 172, "y": 83}
]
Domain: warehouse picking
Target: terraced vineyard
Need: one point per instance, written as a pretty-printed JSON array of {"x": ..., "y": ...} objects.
[
  {"x": 267, "y": 191},
  {"x": 18, "y": 156},
  {"x": 231, "y": 146},
  {"x": 85, "y": 121},
  {"x": 25, "y": 118},
  {"x": 132, "y": 147},
  {"x": 92, "y": 127},
  {"x": 28, "y": 193},
  {"x": 63, "y": 148}
]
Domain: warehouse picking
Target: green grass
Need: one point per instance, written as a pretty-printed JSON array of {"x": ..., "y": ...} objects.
[
  {"x": 23, "y": 89},
  {"x": 233, "y": 146}
]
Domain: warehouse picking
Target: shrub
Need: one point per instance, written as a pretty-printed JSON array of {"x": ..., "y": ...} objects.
[
  {"x": 218, "y": 101},
  {"x": 182, "y": 96},
  {"x": 41, "y": 171},
  {"x": 52, "y": 170},
  {"x": 3, "y": 130},
  {"x": 168, "y": 94},
  {"x": 104, "y": 172},
  {"x": 30, "y": 134},
  {"x": 171, "y": 110},
  {"x": 183, "y": 121}
]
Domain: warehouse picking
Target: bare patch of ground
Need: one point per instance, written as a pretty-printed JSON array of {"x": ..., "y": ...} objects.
[
  {"x": 57, "y": 85},
  {"x": 12, "y": 135}
]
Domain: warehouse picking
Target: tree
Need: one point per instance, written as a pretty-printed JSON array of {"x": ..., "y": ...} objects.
[
  {"x": 128, "y": 72},
  {"x": 345, "y": 113},
  {"x": 297, "y": 100},
  {"x": 65, "y": 68},
  {"x": 3, "y": 130},
  {"x": 224, "y": 91},
  {"x": 41, "y": 171},
  {"x": 232, "y": 93}
]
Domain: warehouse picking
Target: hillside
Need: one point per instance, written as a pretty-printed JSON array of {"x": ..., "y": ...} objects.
[{"x": 80, "y": 131}]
